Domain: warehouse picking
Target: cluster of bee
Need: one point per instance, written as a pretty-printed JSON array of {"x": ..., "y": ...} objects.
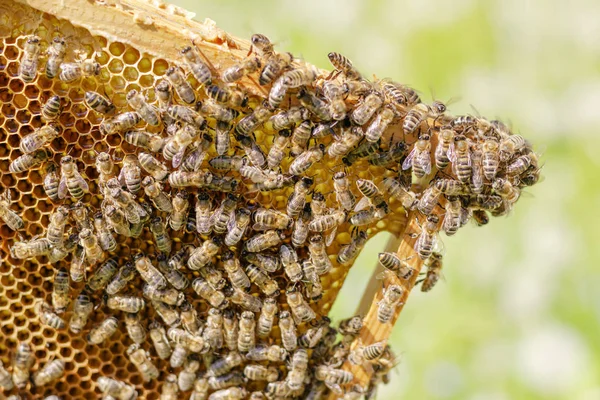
[{"x": 190, "y": 179}]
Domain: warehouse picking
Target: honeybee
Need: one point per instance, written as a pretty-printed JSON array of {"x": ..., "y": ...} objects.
[
  {"x": 185, "y": 115},
  {"x": 315, "y": 105},
  {"x": 304, "y": 161},
  {"x": 22, "y": 362},
  {"x": 217, "y": 111},
  {"x": 6, "y": 381},
  {"x": 257, "y": 372},
  {"x": 287, "y": 119},
  {"x": 99, "y": 103},
  {"x": 450, "y": 187},
  {"x": 429, "y": 200},
  {"x": 246, "y": 300},
  {"x": 91, "y": 245},
  {"x": 167, "y": 313},
  {"x": 187, "y": 376},
  {"x": 246, "y": 333},
  {"x": 460, "y": 155},
  {"x": 38, "y": 139},
  {"x": 522, "y": 164},
  {"x": 277, "y": 150},
  {"x": 380, "y": 123},
  {"x": 128, "y": 304},
  {"x": 189, "y": 319},
  {"x": 103, "y": 331},
  {"x": 134, "y": 327},
  {"x": 476, "y": 183},
  {"x": 154, "y": 191},
  {"x": 394, "y": 188},
  {"x": 29, "y": 62},
  {"x": 344, "y": 65},
  {"x": 28, "y": 161},
  {"x": 263, "y": 241},
  {"x": 391, "y": 299},
  {"x": 140, "y": 358},
  {"x": 273, "y": 353},
  {"x": 161, "y": 237},
  {"x": 224, "y": 365},
  {"x": 241, "y": 69},
  {"x": 366, "y": 149},
  {"x": 346, "y": 142},
  {"x": 60, "y": 290},
  {"x": 434, "y": 268},
  {"x": 178, "y": 356},
  {"x": 182, "y": 87},
  {"x": 176, "y": 145},
  {"x": 300, "y": 232},
  {"x": 237, "y": 227},
  {"x": 419, "y": 113},
  {"x": 118, "y": 389},
  {"x": 419, "y": 157},
  {"x": 289, "y": 260},
  {"x": 192, "y": 342},
  {"x": 511, "y": 145},
  {"x": 213, "y": 331},
  {"x": 480, "y": 217},
  {"x": 351, "y": 326},
  {"x": 333, "y": 377},
  {"x": 334, "y": 94},
  {"x": 266, "y": 318},
  {"x": 236, "y": 274},
  {"x": 367, "y": 353},
  {"x": 392, "y": 262},
  {"x": 227, "y": 95},
  {"x": 120, "y": 123},
  {"x": 30, "y": 249},
  {"x": 51, "y": 371},
  {"x": 82, "y": 309},
  {"x": 300, "y": 309},
  {"x": 322, "y": 223},
  {"x": 70, "y": 72},
  {"x": 116, "y": 220},
  {"x": 265, "y": 262},
  {"x": 48, "y": 316},
  {"x": 366, "y": 109},
  {"x": 199, "y": 69},
  {"x": 267, "y": 285},
  {"x": 232, "y": 393},
  {"x": 222, "y": 214},
  {"x": 159, "y": 338},
  {"x": 262, "y": 44},
  {"x": 506, "y": 190},
  {"x": 56, "y": 226},
  {"x": 445, "y": 142},
  {"x": 315, "y": 333},
  {"x": 252, "y": 121},
  {"x": 349, "y": 252},
  {"x": 51, "y": 109},
  {"x": 273, "y": 67},
  {"x": 105, "y": 168},
  {"x": 289, "y": 336},
  {"x": 490, "y": 157},
  {"x": 201, "y": 388},
  {"x": 147, "y": 112},
  {"x": 268, "y": 219},
  {"x": 120, "y": 280},
  {"x": 149, "y": 273},
  {"x": 215, "y": 298},
  {"x": 51, "y": 181},
  {"x": 71, "y": 180},
  {"x": 318, "y": 254},
  {"x": 10, "y": 218},
  {"x": 312, "y": 282},
  {"x": 203, "y": 213},
  {"x": 428, "y": 240},
  {"x": 298, "y": 370}
]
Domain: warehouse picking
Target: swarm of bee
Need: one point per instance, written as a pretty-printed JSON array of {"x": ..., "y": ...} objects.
[{"x": 226, "y": 306}]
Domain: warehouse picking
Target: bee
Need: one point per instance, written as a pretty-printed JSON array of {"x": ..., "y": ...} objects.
[
  {"x": 95, "y": 101},
  {"x": 392, "y": 262},
  {"x": 351, "y": 326},
  {"x": 300, "y": 136},
  {"x": 314, "y": 334},
  {"x": 161, "y": 237},
  {"x": 349, "y": 252},
  {"x": 346, "y": 142},
  {"x": 428, "y": 240},
  {"x": 27, "y": 162},
  {"x": 241, "y": 69},
  {"x": 395, "y": 93},
  {"x": 273, "y": 67},
  {"x": 344, "y": 65},
  {"x": 213, "y": 331},
  {"x": 315, "y": 105},
  {"x": 434, "y": 268},
  {"x": 463, "y": 123},
  {"x": 344, "y": 196},
  {"x": 6, "y": 381},
  {"x": 322, "y": 223},
  {"x": 266, "y": 318},
  {"x": 266, "y": 180},
  {"x": 333, "y": 377},
  {"x": 51, "y": 371},
  {"x": 48, "y": 317},
  {"x": 29, "y": 62},
  {"x": 224, "y": 365},
  {"x": 217, "y": 111},
  {"x": 246, "y": 333},
  {"x": 252, "y": 121},
  {"x": 486, "y": 202},
  {"x": 480, "y": 217},
  {"x": 103, "y": 331},
  {"x": 167, "y": 313},
  {"x": 178, "y": 356},
  {"x": 445, "y": 142},
  {"x": 237, "y": 227},
  {"x": 154, "y": 191},
  {"x": 263, "y": 241},
  {"x": 38, "y": 139},
  {"x": 257, "y": 372},
  {"x": 298, "y": 369},
  {"x": 71, "y": 180},
  {"x": 158, "y": 335},
  {"x": 232, "y": 393},
  {"x": 105, "y": 168},
  {"x": 419, "y": 157},
  {"x": 236, "y": 274},
  {"x": 277, "y": 150},
  {"x": 222, "y": 214},
  {"x": 300, "y": 232},
  {"x": 193, "y": 343},
  {"x": 149, "y": 273},
  {"x": 128, "y": 304},
  {"x": 70, "y": 72},
  {"x": 56, "y": 55},
  {"x": 267, "y": 263},
  {"x": 22, "y": 362},
  {"x": 139, "y": 357},
  {"x": 189, "y": 318},
  {"x": 289, "y": 260},
  {"x": 51, "y": 109},
  {"x": 226, "y": 95},
  {"x": 60, "y": 290},
  {"x": 120, "y": 123},
  {"x": 228, "y": 163},
  {"x": 198, "y": 68},
  {"x": 203, "y": 213},
  {"x": 367, "y": 353},
  {"x": 289, "y": 336},
  {"x": 215, "y": 298},
  {"x": 267, "y": 219},
  {"x": 460, "y": 155},
  {"x": 318, "y": 254},
  {"x": 182, "y": 87},
  {"x": 116, "y": 220},
  {"x": 69, "y": 246},
  {"x": 334, "y": 94},
  {"x": 391, "y": 299},
  {"x": 51, "y": 181},
  {"x": 419, "y": 113},
  {"x": 201, "y": 388},
  {"x": 450, "y": 187},
  {"x": 304, "y": 161},
  {"x": 368, "y": 150},
  {"x": 202, "y": 255},
  {"x": 131, "y": 174},
  {"x": 366, "y": 109},
  {"x": 134, "y": 327},
  {"x": 477, "y": 175},
  {"x": 30, "y": 249},
  {"x": 429, "y": 200},
  {"x": 176, "y": 145},
  {"x": 300, "y": 309},
  {"x": 119, "y": 281},
  {"x": 521, "y": 164},
  {"x": 10, "y": 218},
  {"x": 185, "y": 115},
  {"x": 380, "y": 123},
  {"x": 187, "y": 375},
  {"x": 246, "y": 300},
  {"x": 267, "y": 285},
  {"x": 273, "y": 353},
  {"x": 490, "y": 157},
  {"x": 118, "y": 389},
  {"x": 105, "y": 236},
  {"x": 312, "y": 282},
  {"x": 91, "y": 245},
  {"x": 82, "y": 309},
  {"x": 511, "y": 145},
  {"x": 253, "y": 153},
  {"x": 408, "y": 198},
  {"x": 369, "y": 216},
  {"x": 287, "y": 119},
  {"x": 506, "y": 190}
]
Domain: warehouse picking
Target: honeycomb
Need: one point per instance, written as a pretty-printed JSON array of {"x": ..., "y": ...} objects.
[{"x": 123, "y": 68}]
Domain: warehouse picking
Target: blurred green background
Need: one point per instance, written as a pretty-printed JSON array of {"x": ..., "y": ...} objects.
[{"x": 518, "y": 316}]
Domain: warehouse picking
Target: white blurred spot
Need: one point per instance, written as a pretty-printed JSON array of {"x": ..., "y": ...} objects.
[
  {"x": 489, "y": 396},
  {"x": 443, "y": 379}
]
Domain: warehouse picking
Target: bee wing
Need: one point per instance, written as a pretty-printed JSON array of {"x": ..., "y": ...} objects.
[
  {"x": 438, "y": 245},
  {"x": 363, "y": 204},
  {"x": 178, "y": 157},
  {"x": 121, "y": 176},
  {"x": 14, "y": 222},
  {"x": 82, "y": 183},
  {"x": 62, "y": 188},
  {"x": 331, "y": 236},
  {"x": 451, "y": 152},
  {"x": 408, "y": 161},
  {"x": 426, "y": 162}
]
